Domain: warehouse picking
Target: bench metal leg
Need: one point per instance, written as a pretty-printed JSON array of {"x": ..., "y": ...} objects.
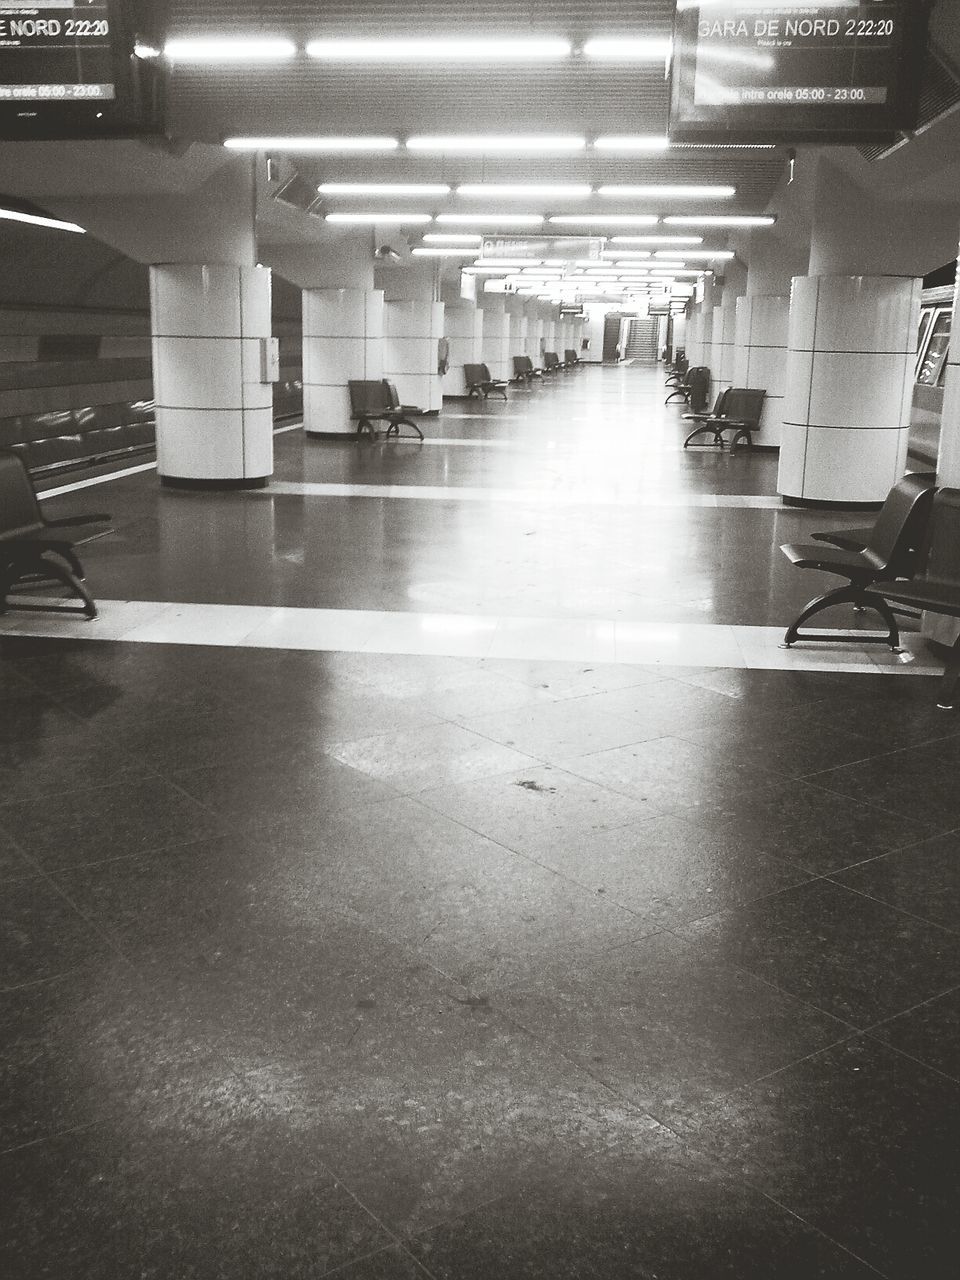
[
  {"x": 39, "y": 571},
  {"x": 394, "y": 427},
  {"x": 717, "y": 436},
  {"x": 850, "y": 594}
]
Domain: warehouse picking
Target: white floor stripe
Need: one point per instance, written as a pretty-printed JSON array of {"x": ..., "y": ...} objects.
[
  {"x": 87, "y": 484},
  {"x": 468, "y": 636},
  {"x": 620, "y": 497}
]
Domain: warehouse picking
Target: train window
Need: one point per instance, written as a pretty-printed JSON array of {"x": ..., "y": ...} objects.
[
  {"x": 934, "y": 361},
  {"x": 924, "y": 329}
]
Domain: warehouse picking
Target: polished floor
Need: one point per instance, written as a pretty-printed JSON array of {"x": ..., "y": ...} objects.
[{"x": 476, "y": 890}]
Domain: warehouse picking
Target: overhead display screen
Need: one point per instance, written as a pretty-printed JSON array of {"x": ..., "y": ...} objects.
[
  {"x": 67, "y": 69},
  {"x": 843, "y": 71}
]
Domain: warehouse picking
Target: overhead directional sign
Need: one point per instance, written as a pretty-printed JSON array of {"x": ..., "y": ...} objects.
[{"x": 585, "y": 248}]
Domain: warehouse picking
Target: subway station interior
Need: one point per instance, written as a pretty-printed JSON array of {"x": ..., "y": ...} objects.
[{"x": 433, "y": 844}]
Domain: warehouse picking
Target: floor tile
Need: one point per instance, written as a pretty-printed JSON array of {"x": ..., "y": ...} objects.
[
  {"x": 847, "y": 954},
  {"x": 652, "y": 1209},
  {"x": 917, "y": 782},
  {"x": 665, "y": 869},
  {"x": 484, "y": 1108},
  {"x": 44, "y": 936},
  {"x": 455, "y": 899},
  {"x": 859, "y": 1141},
  {"x": 571, "y": 727},
  {"x": 535, "y": 810},
  {"x": 422, "y": 758},
  {"x": 95, "y": 1045},
  {"x": 805, "y": 824},
  {"x": 671, "y": 774},
  {"x": 923, "y": 880},
  {"x": 664, "y": 1028},
  {"x": 930, "y": 1033},
  {"x": 216, "y": 1191},
  {"x": 107, "y": 822}
]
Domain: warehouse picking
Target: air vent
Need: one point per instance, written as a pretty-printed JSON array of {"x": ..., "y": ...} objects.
[{"x": 939, "y": 95}]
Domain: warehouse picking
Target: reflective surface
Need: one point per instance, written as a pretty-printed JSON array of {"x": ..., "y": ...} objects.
[{"x": 393, "y": 965}]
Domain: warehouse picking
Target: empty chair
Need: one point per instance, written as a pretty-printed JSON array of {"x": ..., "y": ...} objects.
[
  {"x": 676, "y": 372},
  {"x": 479, "y": 382},
  {"x": 376, "y": 400},
  {"x": 719, "y": 405},
  {"x": 523, "y": 370},
  {"x": 570, "y": 358},
  {"x": 551, "y": 362},
  {"x": 936, "y": 587},
  {"x": 891, "y": 551},
  {"x": 694, "y": 389},
  {"x": 856, "y": 539},
  {"x": 30, "y": 554},
  {"x": 740, "y": 414}
]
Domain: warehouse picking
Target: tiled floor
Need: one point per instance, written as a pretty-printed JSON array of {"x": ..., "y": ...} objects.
[{"x": 623, "y": 945}]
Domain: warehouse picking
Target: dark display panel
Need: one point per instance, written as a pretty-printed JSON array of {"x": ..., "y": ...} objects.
[
  {"x": 846, "y": 72},
  {"x": 68, "y": 70}
]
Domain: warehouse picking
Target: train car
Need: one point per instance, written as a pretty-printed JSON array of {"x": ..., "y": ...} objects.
[{"x": 933, "y": 341}]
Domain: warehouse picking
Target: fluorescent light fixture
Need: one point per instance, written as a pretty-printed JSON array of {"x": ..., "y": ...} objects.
[
  {"x": 229, "y": 49},
  {"x": 656, "y": 239},
  {"x": 384, "y": 189},
  {"x": 525, "y": 190},
  {"x": 632, "y": 142},
  {"x": 606, "y": 220},
  {"x": 333, "y": 144},
  {"x": 653, "y": 191},
  {"x": 625, "y": 262},
  {"x": 146, "y": 51},
  {"x": 439, "y": 48},
  {"x": 490, "y": 143},
  {"x": 722, "y": 220},
  {"x": 476, "y": 270},
  {"x": 411, "y": 218},
  {"x": 37, "y": 220},
  {"x": 627, "y": 253},
  {"x": 491, "y": 219},
  {"x": 687, "y": 255},
  {"x": 508, "y": 262},
  {"x": 628, "y": 49},
  {"x": 463, "y": 252},
  {"x": 451, "y": 237}
]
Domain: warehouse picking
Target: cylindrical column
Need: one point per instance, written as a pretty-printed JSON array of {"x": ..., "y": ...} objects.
[
  {"x": 342, "y": 333},
  {"x": 518, "y": 329},
  {"x": 412, "y": 331},
  {"x": 214, "y": 402},
  {"x": 761, "y": 358},
  {"x": 534, "y": 332},
  {"x": 464, "y": 329},
  {"x": 496, "y": 335},
  {"x": 851, "y": 351}
]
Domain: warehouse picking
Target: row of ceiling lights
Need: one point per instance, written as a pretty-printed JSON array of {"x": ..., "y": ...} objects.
[
  {"x": 561, "y": 220},
  {"x": 511, "y": 190},
  {"x": 216, "y": 49},
  {"x": 472, "y": 144}
]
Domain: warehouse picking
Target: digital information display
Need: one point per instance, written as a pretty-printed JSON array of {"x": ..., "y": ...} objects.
[
  {"x": 56, "y": 52},
  {"x": 845, "y": 71},
  {"x": 67, "y": 70}
]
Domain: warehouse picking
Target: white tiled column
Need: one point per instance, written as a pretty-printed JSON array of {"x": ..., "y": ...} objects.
[
  {"x": 760, "y": 358},
  {"x": 851, "y": 352},
  {"x": 518, "y": 329},
  {"x": 496, "y": 336},
  {"x": 464, "y": 329},
  {"x": 214, "y": 410},
  {"x": 534, "y": 332},
  {"x": 411, "y": 334},
  {"x": 342, "y": 341}
]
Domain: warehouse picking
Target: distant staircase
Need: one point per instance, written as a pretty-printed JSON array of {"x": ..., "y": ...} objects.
[{"x": 642, "y": 340}]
